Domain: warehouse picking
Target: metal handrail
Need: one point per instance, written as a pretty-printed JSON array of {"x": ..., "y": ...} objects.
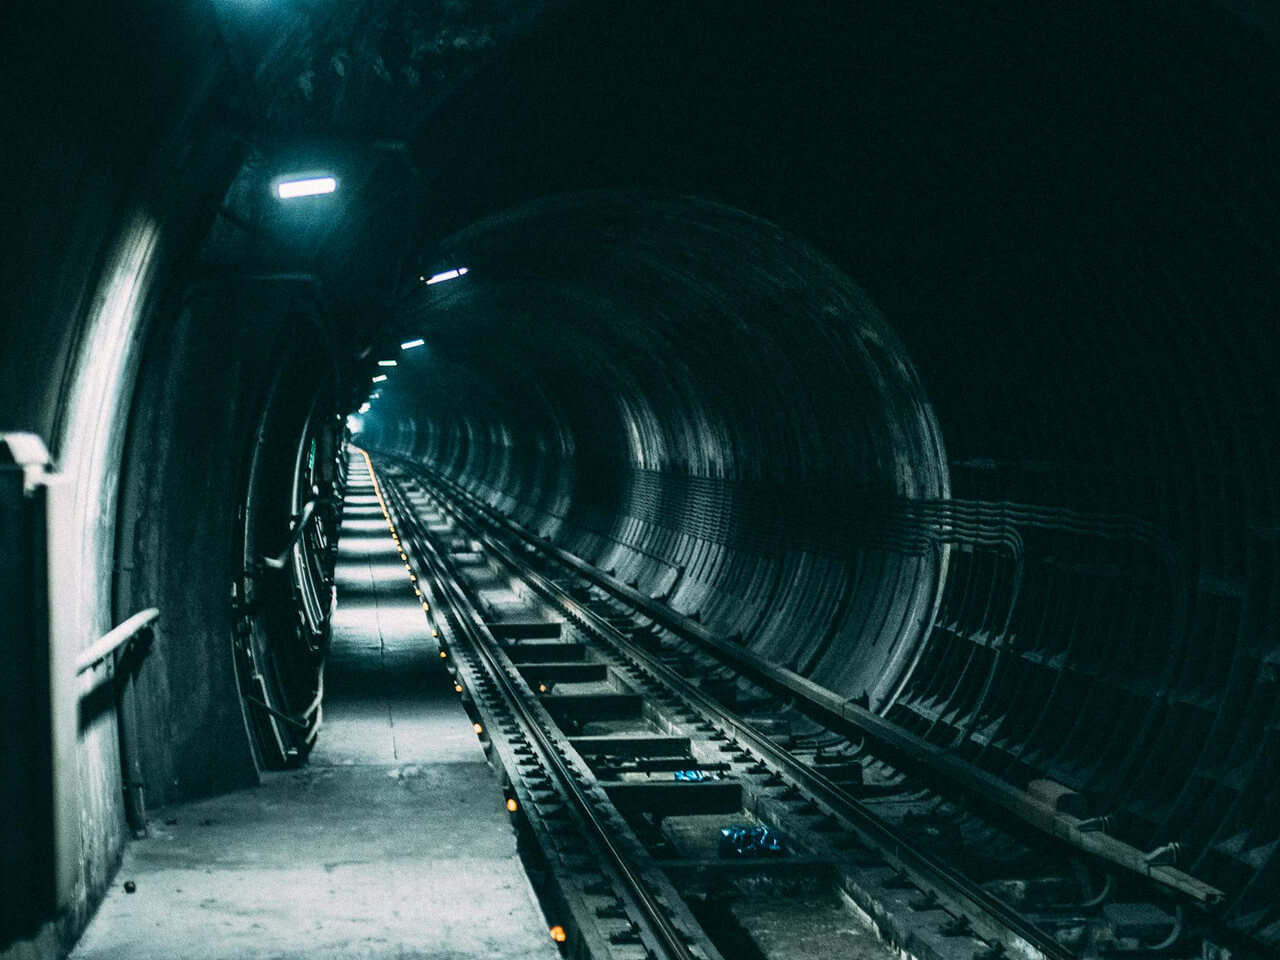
[{"x": 112, "y": 640}]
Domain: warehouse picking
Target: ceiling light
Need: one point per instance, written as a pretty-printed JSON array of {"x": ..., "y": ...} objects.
[
  {"x": 410, "y": 344},
  {"x": 447, "y": 275},
  {"x": 310, "y": 187},
  {"x": 379, "y": 378},
  {"x": 386, "y": 363}
]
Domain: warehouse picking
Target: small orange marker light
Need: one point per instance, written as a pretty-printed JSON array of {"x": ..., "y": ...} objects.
[
  {"x": 542, "y": 688},
  {"x": 512, "y": 806},
  {"x": 558, "y": 934},
  {"x": 435, "y": 632},
  {"x": 457, "y": 688},
  {"x": 477, "y": 728},
  {"x": 443, "y": 654}
]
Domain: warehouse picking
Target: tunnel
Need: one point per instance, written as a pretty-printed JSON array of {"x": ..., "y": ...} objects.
[{"x": 921, "y": 356}]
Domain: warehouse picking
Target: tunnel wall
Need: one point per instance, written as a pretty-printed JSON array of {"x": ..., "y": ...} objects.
[
  {"x": 706, "y": 406},
  {"x": 196, "y": 416},
  {"x": 233, "y": 390},
  {"x": 1069, "y": 217},
  {"x": 86, "y": 118},
  {"x": 1108, "y": 406},
  {"x": 141, "y": 324}
]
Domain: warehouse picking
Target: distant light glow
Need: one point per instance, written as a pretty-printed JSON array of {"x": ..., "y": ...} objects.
[
  {"x": 354, "y": 423},
  {"x": 410, "y": 344},
  {"x": 447, "y": 275},
  {"x": 379, "y": 378},
  {"x": 364, "y": 407},
  {"x": 310, "y": 187},
  {"x": 386, "y": 363}
]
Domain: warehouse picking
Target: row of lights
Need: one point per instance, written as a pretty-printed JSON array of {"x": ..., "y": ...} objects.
[
  {"x": 408, "y": 344},
  {"x": 295, "y": 188},
  {"x": 395, "y": 537},
  {"x": 557, "y": 932}
]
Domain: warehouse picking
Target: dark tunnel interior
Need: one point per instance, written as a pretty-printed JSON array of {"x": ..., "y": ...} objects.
[{"x": 928, "y": 350}]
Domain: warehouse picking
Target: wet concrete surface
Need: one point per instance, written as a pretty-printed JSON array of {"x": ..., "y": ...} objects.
[{"x": 391, "y": 842}]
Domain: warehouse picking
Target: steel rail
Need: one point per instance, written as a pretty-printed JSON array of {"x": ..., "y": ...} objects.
[
  {"x": 994, "y": 920},
  {"x": 986, "y": 787},
  {"x": 664, "y": 934}
]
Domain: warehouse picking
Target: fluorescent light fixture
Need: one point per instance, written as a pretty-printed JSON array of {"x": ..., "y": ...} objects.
[
  {"x": 410, "y": 344},
  {"x": 364, "y": 407},
  {"x": 310, "y": 187},
  {"x": 447, "y": 275},
  {"x": 386, "y": 363},
  {"x": 379, "y": 378}
]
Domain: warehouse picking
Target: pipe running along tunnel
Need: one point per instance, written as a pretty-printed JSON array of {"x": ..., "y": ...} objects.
[{"x": 927, "y": 351}]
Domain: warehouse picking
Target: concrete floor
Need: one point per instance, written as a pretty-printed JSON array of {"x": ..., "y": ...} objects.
[{"x": 391, "y": 842}]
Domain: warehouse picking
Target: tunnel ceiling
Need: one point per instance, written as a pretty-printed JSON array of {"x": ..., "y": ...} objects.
[{"x": 992, "y": 160}]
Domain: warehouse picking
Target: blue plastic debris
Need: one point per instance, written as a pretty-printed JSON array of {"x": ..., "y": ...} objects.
[
  {"x": 693, "y": 776},
  {"x": 744, "y": 841}
]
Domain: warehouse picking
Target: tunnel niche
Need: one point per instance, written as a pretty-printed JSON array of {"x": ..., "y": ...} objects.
[{"x": 692, "y": 398}]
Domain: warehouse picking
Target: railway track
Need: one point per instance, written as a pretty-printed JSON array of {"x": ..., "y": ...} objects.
[{"x": 628, "y": 747}]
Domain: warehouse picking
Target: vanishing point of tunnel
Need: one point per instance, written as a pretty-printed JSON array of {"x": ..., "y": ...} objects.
[{"x": 624, "y": 480}]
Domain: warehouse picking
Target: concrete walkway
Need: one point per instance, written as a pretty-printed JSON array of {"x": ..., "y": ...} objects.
[{"x": 392, "y": 842}]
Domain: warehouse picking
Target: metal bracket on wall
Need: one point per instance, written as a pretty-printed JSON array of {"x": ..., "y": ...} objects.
[{"x": 38, "y": 792}]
